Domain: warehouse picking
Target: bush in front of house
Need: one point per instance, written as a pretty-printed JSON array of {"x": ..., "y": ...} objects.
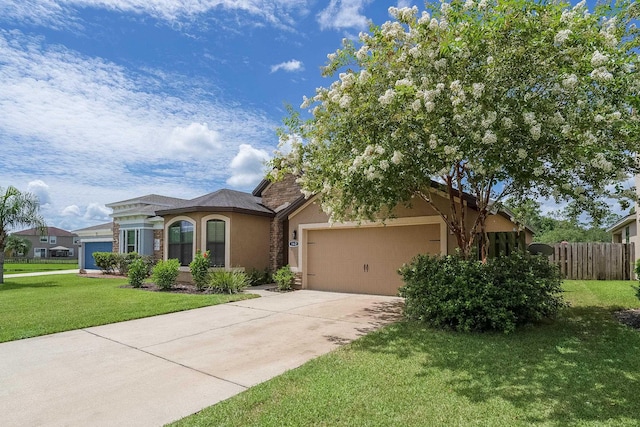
[
  {"x": 165, "y": 273},
  {"x": 638, "y": 277},
  {"x": 464, "y": 295},
  {"x": 200, "y": 269},
  {"x": 123, "y": 261},
  {"x": 284, "y": 278},
  {"x": 138, "y": 271},
  {"x": 228, "y": 282},
  {"x": 107, "y": 262},
  {"x": 259, "y": 277}
]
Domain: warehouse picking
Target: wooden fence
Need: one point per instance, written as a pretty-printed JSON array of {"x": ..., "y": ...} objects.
[{"x": 595, "y": 261}]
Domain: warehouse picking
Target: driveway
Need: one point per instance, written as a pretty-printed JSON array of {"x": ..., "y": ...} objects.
[{"x": 152, "y": 371}]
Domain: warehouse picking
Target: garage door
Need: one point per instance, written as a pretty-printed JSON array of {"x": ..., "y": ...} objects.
[
  {"x": 365, "y": 260},
  {"x": 90, "y": 248}
]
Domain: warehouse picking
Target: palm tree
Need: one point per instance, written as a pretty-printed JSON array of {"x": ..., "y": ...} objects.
[
  {"x": 17, "y": 209},
  {"x": 16, "y": 245}
]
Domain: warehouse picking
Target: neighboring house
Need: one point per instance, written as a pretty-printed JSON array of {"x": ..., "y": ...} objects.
[
  {"x": 275, "y": 225},
  {"x": 51, "y": 242},
  {"x": 97, "y": 238},
  {"x": 626, "y": 229}
]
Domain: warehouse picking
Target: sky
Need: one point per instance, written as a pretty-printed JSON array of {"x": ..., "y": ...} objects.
[{"x": 107, "y": 100}]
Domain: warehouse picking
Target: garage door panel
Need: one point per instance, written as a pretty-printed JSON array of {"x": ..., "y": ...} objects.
[{"x": 365, "y": 260}]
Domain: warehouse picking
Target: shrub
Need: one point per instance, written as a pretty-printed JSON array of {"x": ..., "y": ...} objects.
[
  {"x": 106, "y": 261},
  {"x": 165, "y": 273},
  {"x": 124, "y": 260},
  {"x": 200, "y": 269},
  {"x": 464, "y": 295},
  {"x": 138, "y": 271},
  {"x": 638, "y": 277},
  {"x": 284, "y": 278},
  {"x": 228, "y": 282},
  {"x": 257, "y": 277}
]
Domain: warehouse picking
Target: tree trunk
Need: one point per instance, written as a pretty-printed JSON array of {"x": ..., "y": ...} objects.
[{"x": 1, "y": 267}]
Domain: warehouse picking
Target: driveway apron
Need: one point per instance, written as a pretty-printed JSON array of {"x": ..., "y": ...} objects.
[{"x": 152, "y": 371}]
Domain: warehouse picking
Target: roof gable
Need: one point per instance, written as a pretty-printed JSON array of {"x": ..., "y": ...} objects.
[{"x": 221, "y": 200}]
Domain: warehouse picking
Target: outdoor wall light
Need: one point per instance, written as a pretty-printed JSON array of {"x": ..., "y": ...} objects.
[{"x": 294, "y": 235}]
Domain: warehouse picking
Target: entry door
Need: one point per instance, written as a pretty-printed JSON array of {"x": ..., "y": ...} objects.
[{"x": 365, "y": 259}]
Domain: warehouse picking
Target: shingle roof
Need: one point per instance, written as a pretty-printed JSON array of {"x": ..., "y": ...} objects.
[
  {"x": 106, "y": 225},
  {"x": 221, "y": 200},
  {"x": 150, "y": 199},
  {"x": 50, "y": 231}
]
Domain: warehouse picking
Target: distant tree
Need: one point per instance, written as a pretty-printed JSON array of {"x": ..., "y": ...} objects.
[
  {"x": 17, "y": 245},
  {"x": 17, "y": 209},
  {"x": 497, "y": 99}
]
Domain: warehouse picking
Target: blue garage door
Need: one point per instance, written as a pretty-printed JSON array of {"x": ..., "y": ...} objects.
[{"x": 90, "y": 248}]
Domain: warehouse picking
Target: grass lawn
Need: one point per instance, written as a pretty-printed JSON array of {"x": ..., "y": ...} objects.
[
  {"x": 34, "y": 268},
  {"x": 581, "y": 370},
  {"x": 32, "y": 306}
]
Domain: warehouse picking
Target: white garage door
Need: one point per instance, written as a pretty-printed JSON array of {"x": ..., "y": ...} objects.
[{"x": 365, "y": 259}]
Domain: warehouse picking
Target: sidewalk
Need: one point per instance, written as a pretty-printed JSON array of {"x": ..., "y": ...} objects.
[{"x": 41, "y": 273}]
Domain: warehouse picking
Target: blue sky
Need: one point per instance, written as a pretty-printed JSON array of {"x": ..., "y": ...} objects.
[{"x": 105, "y": 100}]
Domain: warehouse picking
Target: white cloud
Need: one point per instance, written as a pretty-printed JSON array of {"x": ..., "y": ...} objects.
[
  {"x": 62, "y": 13},
  {"x": 98, "y": 212},
  {"x": 40, "y": 189},
  {"x": 289, "y": 66},
  {"x": 72, "y": 210},
  {"x": 342, "y": 14},
  {"x": 247, "y": 167},
  {"x": 404, "y": 3},
  {"x": 193, "y": 139}
]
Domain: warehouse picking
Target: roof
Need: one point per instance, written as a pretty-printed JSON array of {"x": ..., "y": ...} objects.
[
  {"x": 106, "y": 225},
  {"x": 50, "y": 231},
  {"x": 60, "y": 248},
  {"x": 221, "y": 201},
  {"x": 261, "y": 187},
  {"x": 623, "y": 222},
  {"x": 149, "y": 199}
]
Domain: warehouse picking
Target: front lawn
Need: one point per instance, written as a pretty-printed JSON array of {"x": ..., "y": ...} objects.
[
  {"x": 15, "y": 268},
  {"x": 581, "y": 370},
  {"x": 32, "y": 306}
]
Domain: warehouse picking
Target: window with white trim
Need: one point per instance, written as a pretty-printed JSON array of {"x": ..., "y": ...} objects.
[
  {"x": 181, "y": 242},
  {"x": 53, "y": 240},
  {"x": 216, "y": 241}
]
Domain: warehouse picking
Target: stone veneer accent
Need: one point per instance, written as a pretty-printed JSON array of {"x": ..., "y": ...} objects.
[
  {"x": 158, "y": 255},
  {"x": 116, "y": 237},
  {"x": 274, "y": 196}
]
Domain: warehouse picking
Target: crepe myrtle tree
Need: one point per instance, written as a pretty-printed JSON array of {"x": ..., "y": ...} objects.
[
  {"x": 17, "y": 209},
  {"x": 509, "y": 99}
]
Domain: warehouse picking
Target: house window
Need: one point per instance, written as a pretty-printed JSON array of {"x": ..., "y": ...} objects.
[
  {"x": 44, "y": 239},
  {"x": 76, "y": 240},
  {"x": 39, "y": 253},
  {"x": 181, "y": 242},
  {"x": 130, "y": 241},
  {"x": 216, "y": 241},
  {"x": 53, "y": 240}
]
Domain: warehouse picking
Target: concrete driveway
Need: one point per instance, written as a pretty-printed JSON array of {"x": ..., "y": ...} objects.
[{"x": 152, "y": 371}]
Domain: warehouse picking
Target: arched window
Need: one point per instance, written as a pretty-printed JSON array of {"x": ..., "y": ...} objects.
[
  {"x": 216, "y": 241},
  {"x": 181, "y": 242}
]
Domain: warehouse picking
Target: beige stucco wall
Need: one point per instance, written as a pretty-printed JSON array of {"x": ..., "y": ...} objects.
[
  {"x": 248, "y": 242},
  {"x": 311, "y": 213}
]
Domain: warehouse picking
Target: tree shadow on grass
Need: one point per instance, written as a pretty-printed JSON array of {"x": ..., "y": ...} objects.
[
  {"x": 582, "y": 368},
  {"x": 10, "y": 286}
]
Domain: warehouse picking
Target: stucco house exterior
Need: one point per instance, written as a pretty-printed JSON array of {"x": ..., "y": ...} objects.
[
  {"x": 276, "y": 225},
  {"x": 51, "y": 242},
  {"x": 626, "y": 229}
]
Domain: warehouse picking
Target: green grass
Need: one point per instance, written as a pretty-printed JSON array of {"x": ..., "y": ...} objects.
[
  {"x": 10, "y": 268},
  {"x": 580, "y": 370},
  {"x": 32, "y": 306}
]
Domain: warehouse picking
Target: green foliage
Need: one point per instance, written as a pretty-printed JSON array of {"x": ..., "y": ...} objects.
[
  {"x": 637, "y": 269},
  {"x": 17, "y": 245},
  {"x": 200, "y": 269},
  {"x": 463, "y": 295},
  {"x": 137, "y": 272},
  {"x": 284, "y": 278},
  {"x": 165, "y": 273},
  {"x": 17, "y": 209},
  {"x": 494, "y": 98},
  {"x": 258, "y": 277},
  {"x": 107, "y": 261},
  {"x": 228, "y": 282},
  {"x": 124, "y": 260}
]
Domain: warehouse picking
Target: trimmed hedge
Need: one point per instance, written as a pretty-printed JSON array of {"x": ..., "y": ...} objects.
[{"x": 463, "y": 295}]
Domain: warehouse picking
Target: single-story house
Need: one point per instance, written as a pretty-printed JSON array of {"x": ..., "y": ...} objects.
[
  {"x": 276, "y": 225},
  {"x": 51, "y": 242},
  {"x": 626, "y": 229},
  {"x": 97, "y": 238}
]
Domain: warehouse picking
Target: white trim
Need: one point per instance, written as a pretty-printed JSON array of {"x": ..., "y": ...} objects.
[
  {"x": 96, "y": 240},
  {"x": 303, "y": 229},
  {"x": 166, "y": 235},
  {"x": 227, "y": 235}
]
